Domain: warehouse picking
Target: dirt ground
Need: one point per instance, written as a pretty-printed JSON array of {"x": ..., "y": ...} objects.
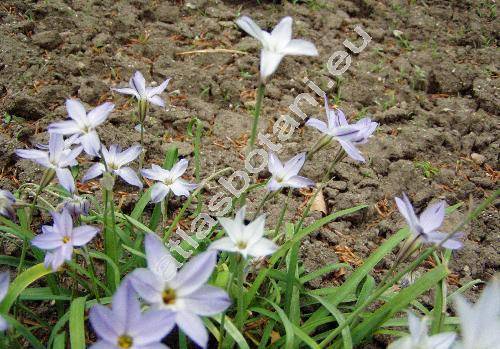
[{"x": 433, "y": 87}]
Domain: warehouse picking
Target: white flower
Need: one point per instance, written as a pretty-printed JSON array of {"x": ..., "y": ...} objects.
[
  {"x": 349, "y": 136},
  {"x": 277, "y": 44},
  {"x": 84, "y": 125},
  {"x": 115, "y": 160},
  {"x": 420, "y": 339},
  {"x": 248, "y": 240},
  {"x": 141, "y": 92},
  {"x": 168, "y": 180},
  {"x": 480, "y": 323},
  {"x": 57, "y": 158},
  {"x": 287, "y": 176}
]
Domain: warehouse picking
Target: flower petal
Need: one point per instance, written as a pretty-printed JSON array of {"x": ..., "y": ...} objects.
[
  {"x": 91, "y": 143},
  {"x": 38, "y": 156},
  {"x": 263, "y": 247},
  {"x": 441, "y": 340},
  {"x": 66, "y": 179},
  {"x": 351, "y": 150},
  {"x": 282, "y": 33},
  {"x": 76, "y": 111},
  {"x": 67, "y": 127},
  {"x": 100, "y": 113},
  {"x": 223, "y": 244},
  {"x": 299, "y": 182},
  {"x": 160, "y": 261},
  {"x": 253, "y": 231},
  {"x": 129, "y": 176},
  {"x": 103, "y": 345},
  {"x": 274, "y": 164},
  {"x": 69, "y": 157},
  {"x": 298, "y": 47},
  {"x": 273, "y": 185},
  {"x": 155, "y": 173},
  {"x": 139, "y": 84},
  {"x": 152, "y": 327},
  {"x": 317, "y": 124},
  {"x": 4, "y": 326},
  {"x": 46, "y": 241},
  {"x": 126, "y": 306},
  {"x": 158, "y": 192},
  {"x": 269, "y": 62},
  {"x": 179, "y": 168},
  {"x": 250, "y": 27},
  {"x": 83, "y": 234},
  {"x": 193, "y": 327},
  {"x": 182, "y": 188},
  {"x": 126, "y": 91},
  {"x": 208, "y": 301},
  {"x": 433, "y": 216},
  {"x": 194, "y": 274},
  {"x": 128, "y": 155},
  {"x": 147, "y": 285},
  {"x": 94, "y": 171},
  {"x": 4, "y": 284},
  {"x": 406, "y": 209},
  {"x": 105, "y": 324},
  {"x": 293, "y": 166},
  {"x": 153, "y": 91},
  {"x": 157, "y": 100}
]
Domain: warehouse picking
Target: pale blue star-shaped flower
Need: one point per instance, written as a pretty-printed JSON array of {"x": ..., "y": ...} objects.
[
  {"x": 426, "y": 226},
  {"x": 57, "y": 158},
  {"x": 183, "y": 292},
  {"x": 60, "y": 239},
  {"x": 139, "y": 90},
  {"x": 287, "y": 175},
  {"x": 83, "y": 124},
  {"x": 348, "y": 135},
  {"x": 115, "y": 160},
  {"x": 124, "y": 326}
]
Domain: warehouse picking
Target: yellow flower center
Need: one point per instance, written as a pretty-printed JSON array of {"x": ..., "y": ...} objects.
[
  {"x": 65, "y": 239},
  {"x": 125, "y": 342},
  {"x": 168, "y": 296},
  {"x": 241, "y": 245}
]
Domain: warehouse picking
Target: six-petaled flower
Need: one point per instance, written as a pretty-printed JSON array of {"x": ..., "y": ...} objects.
[
  {"x": 139, "y": 90},
  {"x": 57, "y": 158},
  {"x": 83, "y": 124},
  {"x": 60, "y": 239},
  {"x": 287, "y": 175},
  {"x": 245, "y": 239},
  {"x": 115, "y": 160},
  {"x": 277, "y": 44},
  {"x": 183, "y": 292},
  {"x": 124, "y": 326},
  {"x": 168, "y": 181}
]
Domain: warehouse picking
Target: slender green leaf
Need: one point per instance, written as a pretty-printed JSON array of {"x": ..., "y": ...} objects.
[
  {"x": 20, "y": 283},
  {"x": 398, "y": 303},
  {"x": 232, "y": 331},
  {"x": 76, "y": 323}
]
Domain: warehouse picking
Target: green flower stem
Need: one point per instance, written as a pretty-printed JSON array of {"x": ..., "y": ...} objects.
[
  {"x": 282, "y": 214},
  {"x": 268, "y": 196},
  {"x": 110, "y": 241},
  {"x": 47, "y": 177},
  {"x": 142, "y": 109},
  {"x": 240, "y": 314},
  {"x": 258, "y": 106},
  {"x": 93, "y": 277}
]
